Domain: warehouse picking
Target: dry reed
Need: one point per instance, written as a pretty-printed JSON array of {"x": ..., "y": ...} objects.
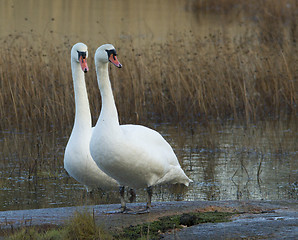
[{"x": 218, "y": 76}]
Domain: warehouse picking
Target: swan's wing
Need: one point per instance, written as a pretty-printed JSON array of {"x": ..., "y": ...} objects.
[
  {"x": 151, "y": 142},
  {"x": 81, "y": 166},
  {"x": 160, "y": 161}
]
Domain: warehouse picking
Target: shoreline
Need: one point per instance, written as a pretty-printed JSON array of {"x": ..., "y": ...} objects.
[{"x": 269, "y": 217}]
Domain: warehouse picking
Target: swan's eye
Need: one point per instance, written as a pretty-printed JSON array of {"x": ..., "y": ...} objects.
[
  {"x": 82, "y": 54},
  {"x": 111, "y": 52}
]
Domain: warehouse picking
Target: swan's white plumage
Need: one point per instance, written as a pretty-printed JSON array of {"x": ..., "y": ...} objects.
[
  {"x": 77, "y": 158},
  {"x": 134, "y": 155}
]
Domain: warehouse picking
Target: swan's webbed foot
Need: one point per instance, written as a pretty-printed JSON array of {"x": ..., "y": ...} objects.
[
  {"x": 126, "y": 210},
  {"x": 143, "y": 211},
  {"x": 123, "y": 208},
  {"x": 134, "y": 211},
  {"x": 148, "y": 206}
]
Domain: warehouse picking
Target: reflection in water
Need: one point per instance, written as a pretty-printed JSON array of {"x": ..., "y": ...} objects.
[
  {"x": 95, "y": 22},
  {"x": 98, "y": 22},
  {"x": 226, "y": 163}
]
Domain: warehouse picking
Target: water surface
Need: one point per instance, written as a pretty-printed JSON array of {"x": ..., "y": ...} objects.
[
  {"x": 226, "y": 162},
  {"x": 99, "y": 22}
]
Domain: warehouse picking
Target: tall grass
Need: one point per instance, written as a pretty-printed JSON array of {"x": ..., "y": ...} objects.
[
  {"x": 177, "y": 82},
  {"x": 35, "y": 86},
  {"x": 80, "y": 226}
]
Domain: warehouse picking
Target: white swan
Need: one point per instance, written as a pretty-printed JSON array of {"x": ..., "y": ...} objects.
[
  {"x": 134, "y": 155},
  {"x": 77, "y": 159}
]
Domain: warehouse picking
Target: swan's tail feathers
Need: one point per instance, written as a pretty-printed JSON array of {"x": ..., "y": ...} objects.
[
  {"x": 183, "y": 179},
  {"x": 88, "y": 188},
  {"x": 175, "y": 176},
  {"x": 187, "y": 181}
]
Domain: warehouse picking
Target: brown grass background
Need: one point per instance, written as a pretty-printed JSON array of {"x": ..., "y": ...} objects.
[{"x": 186, "y": 79}]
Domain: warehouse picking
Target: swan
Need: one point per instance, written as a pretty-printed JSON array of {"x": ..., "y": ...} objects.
[
  {"x": 134, "y": 155},
  {"x": 77, "y": 158}
]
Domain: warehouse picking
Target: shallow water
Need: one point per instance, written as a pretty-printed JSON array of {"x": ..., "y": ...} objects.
[{"x": 226, "y": 162}]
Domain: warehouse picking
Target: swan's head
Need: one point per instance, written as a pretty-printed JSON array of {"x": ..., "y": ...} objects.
[
  {"x": 79, "y": 54},
  {"x": 107, "y": 53}
]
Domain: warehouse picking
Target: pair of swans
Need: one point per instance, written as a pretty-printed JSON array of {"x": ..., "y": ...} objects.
[{"x": 110, "y": 154}]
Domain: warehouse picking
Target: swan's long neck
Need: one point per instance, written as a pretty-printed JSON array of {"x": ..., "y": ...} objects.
[
  {"x": 82, "y": 114},
  {"x": 108, "y": 114}
]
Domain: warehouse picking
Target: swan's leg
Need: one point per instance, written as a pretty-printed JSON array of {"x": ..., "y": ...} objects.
[
  {"x": 149, "y": 196},
  {"x": 123, "y": 203},
  {"x": 132, "y": 195},
  {"x": 148, "y": 206},
  {"x": 91, "y": 194},
  {"x": 123, "y": 208}
]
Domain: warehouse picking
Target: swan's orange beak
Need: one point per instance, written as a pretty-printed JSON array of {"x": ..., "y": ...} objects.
[
  {"x": 83, "y": 63},
  {"x": 113, "y": 59}
]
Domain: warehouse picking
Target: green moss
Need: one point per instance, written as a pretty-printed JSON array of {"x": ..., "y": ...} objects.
[
  {"x": 189, "y": 219},
  {"x": 164, "y": 224},
  {"x": 153, "y": 228}
]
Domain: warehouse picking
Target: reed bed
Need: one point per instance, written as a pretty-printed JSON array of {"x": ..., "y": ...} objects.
[
  {"x": 188, "y": 78},
  {"x": 185, "y": 79},
  {"x": 183, "y": 83}
]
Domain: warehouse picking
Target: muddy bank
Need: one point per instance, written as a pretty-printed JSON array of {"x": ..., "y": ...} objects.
[{"x": 265, "y": 219}]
